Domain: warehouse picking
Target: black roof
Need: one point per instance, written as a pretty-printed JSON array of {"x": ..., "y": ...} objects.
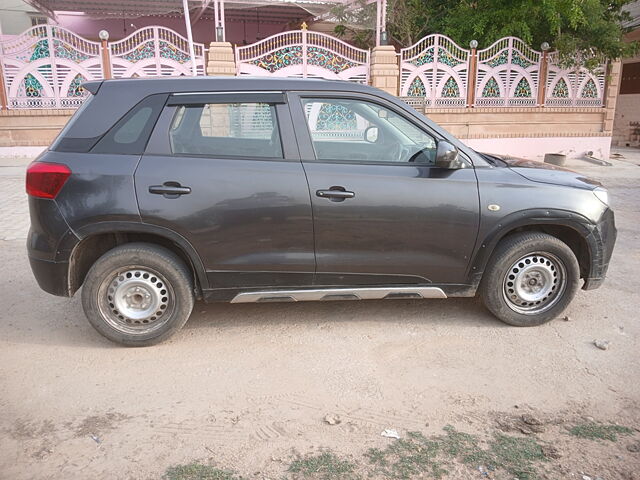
[{"x": 221, "y": 84}]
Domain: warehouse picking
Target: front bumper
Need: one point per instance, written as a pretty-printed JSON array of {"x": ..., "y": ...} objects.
[{"x": 601, "y": 241}]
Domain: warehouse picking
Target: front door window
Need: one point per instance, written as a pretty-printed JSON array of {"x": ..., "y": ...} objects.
[{"x": 349, "y": 130}]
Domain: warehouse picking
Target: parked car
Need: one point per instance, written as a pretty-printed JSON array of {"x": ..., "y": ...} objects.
[{"x": 161, "y": 192}]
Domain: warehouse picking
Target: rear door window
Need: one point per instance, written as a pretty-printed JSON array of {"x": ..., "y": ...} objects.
[{"x": 226, "y": 130}]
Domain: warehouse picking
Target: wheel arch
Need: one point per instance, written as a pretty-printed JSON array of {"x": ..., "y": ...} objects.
[
  {"x": 571, "y": 228},
  {"x": 98, "y": 239}
]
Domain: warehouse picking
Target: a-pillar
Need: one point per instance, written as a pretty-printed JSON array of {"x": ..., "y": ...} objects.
[
  {"x": 221, "y": 60},
  {"x": 385, "y": 71}
]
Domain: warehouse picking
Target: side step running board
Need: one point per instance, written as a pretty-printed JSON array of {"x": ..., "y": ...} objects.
[{"x": 339, "y": 294}]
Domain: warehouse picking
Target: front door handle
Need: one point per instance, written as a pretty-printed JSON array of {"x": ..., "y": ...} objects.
[
  {"x": 169, "y": 189},
  {"x": 335, "y": 194}
]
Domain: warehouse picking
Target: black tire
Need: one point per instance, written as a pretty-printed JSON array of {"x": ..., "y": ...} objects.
[
  {"x": 522, "y": 258},
  {"x": 124, "y": 288}
]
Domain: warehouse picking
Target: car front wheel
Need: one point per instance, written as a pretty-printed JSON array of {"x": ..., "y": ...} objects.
[
  {"x": 138, "y": 294},
  {"x": 530, "y": 279}
]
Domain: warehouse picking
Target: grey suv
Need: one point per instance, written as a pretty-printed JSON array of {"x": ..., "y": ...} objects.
[{"x": 160, "y": 192}]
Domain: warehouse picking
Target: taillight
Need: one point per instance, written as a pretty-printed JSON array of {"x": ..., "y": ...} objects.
[{"x": 45, "y": 180}]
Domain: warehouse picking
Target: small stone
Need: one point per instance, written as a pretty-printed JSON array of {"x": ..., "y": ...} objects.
[
  {"x": 566, "y": 318},
  {"x": 332, "y": 419},
  {"x": 550, "y": 451},
  {"x": 530, "y": 420},
  {"x": 586, "y": 477},
  {"x": 634, "y": 447},
  {"x": 602, "y": 344}
]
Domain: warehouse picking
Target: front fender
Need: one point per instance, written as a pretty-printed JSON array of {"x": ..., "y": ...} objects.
[{"x": 526, "y": 218}]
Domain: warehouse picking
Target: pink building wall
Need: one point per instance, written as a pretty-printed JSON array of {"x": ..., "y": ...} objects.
[{"x": 237, "y": 32}]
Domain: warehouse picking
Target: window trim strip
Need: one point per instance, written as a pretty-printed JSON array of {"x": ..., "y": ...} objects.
[{"x": 271, "y": 98}]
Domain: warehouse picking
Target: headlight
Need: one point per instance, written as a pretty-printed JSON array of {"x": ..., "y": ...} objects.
[{"x": 602, "y": 194}]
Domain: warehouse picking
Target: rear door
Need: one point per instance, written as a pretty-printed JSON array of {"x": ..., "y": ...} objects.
[
  {"x": 383, "y": 212},
  {"x": 223, "y": 171}
]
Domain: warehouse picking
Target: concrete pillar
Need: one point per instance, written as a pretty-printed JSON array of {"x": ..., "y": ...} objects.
[
  {"x": 385, "y": 72},
  {"x": 612, "y": 87},
  {"x": 221, "y": 60}
]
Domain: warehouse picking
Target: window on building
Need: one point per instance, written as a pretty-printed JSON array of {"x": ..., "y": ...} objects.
[
  {"x": 630, "y": 82},
  {"x": 38, "y": 20}
]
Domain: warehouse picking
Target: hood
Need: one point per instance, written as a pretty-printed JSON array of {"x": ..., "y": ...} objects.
[{"x": 547, "y": 173}]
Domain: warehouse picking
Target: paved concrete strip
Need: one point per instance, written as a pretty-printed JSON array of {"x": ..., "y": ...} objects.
[{"x": 14, "y": 208}]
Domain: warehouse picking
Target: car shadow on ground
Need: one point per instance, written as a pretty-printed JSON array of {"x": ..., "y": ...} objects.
[
  {"x": 63, "y": 322},
  {"x": 457, "y": 312}
]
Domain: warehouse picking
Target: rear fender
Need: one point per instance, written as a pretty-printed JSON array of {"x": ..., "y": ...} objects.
[{"x": 143, "y": 228}]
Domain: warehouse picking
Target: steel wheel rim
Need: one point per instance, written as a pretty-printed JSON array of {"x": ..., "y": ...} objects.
[
  {"x": 534, "y": 283},
  {"x": 136, "y": 300}
]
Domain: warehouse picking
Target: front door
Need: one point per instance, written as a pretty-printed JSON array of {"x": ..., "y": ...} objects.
[
  {"x": 224, "y": 172},
  {"x": 383, "y": 213}
]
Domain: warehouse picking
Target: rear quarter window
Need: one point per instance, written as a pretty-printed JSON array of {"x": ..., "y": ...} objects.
[{"x": 130, "y": 134}]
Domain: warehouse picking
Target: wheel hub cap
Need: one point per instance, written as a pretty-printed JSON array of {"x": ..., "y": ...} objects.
[
  {"x": 136, "y": 300},
  {"x": 534, "y": 283}
]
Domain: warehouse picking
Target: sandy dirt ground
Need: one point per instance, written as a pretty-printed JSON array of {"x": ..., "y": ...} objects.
[{"x": 248, "y": 386}]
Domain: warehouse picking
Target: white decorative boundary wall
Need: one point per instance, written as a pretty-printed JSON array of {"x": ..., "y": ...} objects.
[
  {"x": 45, "y": 66},
  {"x": 153, "y": 52},
  {"x": 508, "y": 74},
  {"x": 435, "y": 68},
  {"x": 435, "y": 72},
  {"x": 573, "y": 87},
  {"x": 303, "y": 54}
]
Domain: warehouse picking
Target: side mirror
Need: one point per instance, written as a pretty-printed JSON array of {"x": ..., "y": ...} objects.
[
  {"x": 371, "y": 134},
  {"x": 446, "y": 155}
]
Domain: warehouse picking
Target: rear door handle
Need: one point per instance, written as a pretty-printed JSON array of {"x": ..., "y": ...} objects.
[
  {"x": 170, "y": 189},
  {"x": 335, "y": 194}
]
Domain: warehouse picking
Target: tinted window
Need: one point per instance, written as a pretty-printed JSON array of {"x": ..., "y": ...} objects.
[
  {"x": 226, "y": 130},
  {"x": 130, "y": 130},
  {"x": 131, "y": 133},
  {"x": 63, "y": 143},
  {"x": 356, "y": 130}
]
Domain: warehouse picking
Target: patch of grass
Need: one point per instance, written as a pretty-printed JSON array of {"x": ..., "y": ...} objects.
[
  {"x": 463, "y": 446},
  {"x": 598, "y": 431},
  {"x": 516, "y": 455},
  {"x": 414, "y": 456},
  {"x": 418, "y": 455},
  {"x": 198, "y": 471},
  {"x": 323, "y": 466}
]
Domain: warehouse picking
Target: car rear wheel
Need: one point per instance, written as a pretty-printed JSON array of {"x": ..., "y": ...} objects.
[
  {"x": 530, "y": 279},
  {"x": 138, "y": 294}
]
